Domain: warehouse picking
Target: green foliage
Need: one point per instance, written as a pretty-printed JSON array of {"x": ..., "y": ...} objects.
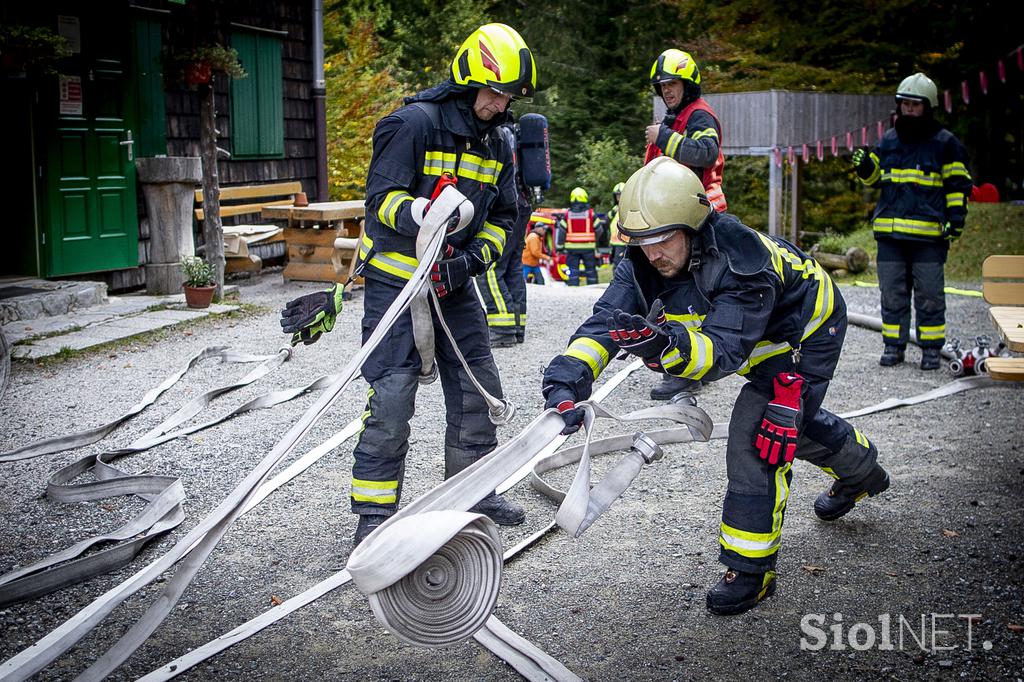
[
  {"x": 31, "y": 50},
  {"x": 197, "y": 272},
  {"x": 745, "y": 183},
  {"x": 603, "y": 163},
  {"x": 219, "y": 58},
  {"x": 359, "y": 92}
]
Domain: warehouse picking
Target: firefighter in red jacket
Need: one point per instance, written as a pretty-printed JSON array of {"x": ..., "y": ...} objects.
[
  {"x": 580, "y": 239},
  {"x": 691, "y": 134}
]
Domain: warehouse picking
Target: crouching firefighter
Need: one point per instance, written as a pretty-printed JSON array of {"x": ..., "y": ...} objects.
[
  {"x": 449, "y": 129},
  {"x": 701, "y": 295}
]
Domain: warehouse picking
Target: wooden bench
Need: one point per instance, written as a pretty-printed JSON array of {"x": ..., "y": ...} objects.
[
  {"x": 246, "y": 245},
  {"x": 1003, "y": 286},
  {"x": 322, "y": 239}
]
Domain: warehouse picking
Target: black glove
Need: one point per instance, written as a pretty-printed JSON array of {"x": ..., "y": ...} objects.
[
  {"x": 862, "y": 162},
  {"x": 309, "y": 316},
  {"x": 561, "y": 397},
  {"x": 643, "y": 337},
  {"x": 455, "y": 270},
  {"x": 952, "y": 230}
]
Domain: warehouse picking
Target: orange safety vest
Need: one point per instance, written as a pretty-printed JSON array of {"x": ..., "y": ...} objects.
[
  {"x": 712, "y": 176},
  {"x": 580, "y": 230}
]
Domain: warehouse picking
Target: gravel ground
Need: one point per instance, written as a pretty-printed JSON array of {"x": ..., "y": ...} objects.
[{"x": 625, "y": 601}]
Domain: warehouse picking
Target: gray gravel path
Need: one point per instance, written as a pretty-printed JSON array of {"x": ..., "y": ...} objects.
[{"x": 625, "y": 601}]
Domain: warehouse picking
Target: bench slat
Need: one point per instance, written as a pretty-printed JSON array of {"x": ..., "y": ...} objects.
[
  {"x": 1003, "y": 267},
  {"x": 272, "y": 189},
  {"x": 243, "y": 209},
  {"x": 1005, "y": 369}
]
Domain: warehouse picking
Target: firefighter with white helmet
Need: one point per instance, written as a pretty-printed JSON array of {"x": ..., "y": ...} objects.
[
  {"x": 920, "y": 168},
  {"x": 702, "y": 296},
  {"x": 446, "y": 130}
]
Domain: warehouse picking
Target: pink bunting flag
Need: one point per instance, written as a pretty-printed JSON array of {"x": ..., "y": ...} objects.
[
  {"x": 864, "y": 136},
  {"x": 791, "y": 156},
  {"x": 820, "y": 151},
  {"x": 835, "y": 146},
  {"x": 965, "y": 92},
  {"x": 947, "y": 98},
  {"x": 777, "y": 153},
  {"x": 1020, "y": 58},
  {"x": 1001, "y": 70},
  {"x": 849, "y": 140},
  {"x": 804, "y": 154},
  {"x": 881, "y": 130},
  {"x": 983, "y": 81}
]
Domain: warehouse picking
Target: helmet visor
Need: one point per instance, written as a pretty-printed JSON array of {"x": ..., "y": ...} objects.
[{"x": 650, "y": 239}]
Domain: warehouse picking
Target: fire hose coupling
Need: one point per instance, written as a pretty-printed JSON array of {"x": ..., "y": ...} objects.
[
  {"x": 647, "y": 448},
  {"x": 501, "y": 412}
]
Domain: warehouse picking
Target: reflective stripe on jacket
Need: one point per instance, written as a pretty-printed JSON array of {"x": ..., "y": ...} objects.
[{"x": 580, "y": 228}]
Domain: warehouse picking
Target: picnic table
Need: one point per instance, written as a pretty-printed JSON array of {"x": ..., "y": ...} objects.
[{"x": 310, "y": 235}]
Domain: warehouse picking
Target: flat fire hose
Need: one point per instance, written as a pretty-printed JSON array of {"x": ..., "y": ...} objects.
[{"x": 202, "y": 539}]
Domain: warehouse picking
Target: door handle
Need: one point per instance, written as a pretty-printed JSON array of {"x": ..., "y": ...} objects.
[{"x": 130, "y": 143}]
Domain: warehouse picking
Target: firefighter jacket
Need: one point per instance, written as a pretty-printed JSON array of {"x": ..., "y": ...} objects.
[
  {"x": 923, "y": 181},
  {"x": 412, "y": 147},
  {"x": 615, "y": 239},
  {"x": 579, "y": 234},
  {"x": 746, "y": 298},
  {"x": 693, "y": 137}
]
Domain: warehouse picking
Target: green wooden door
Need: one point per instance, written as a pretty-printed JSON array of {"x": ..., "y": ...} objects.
[{"x": 90, "y": 220}]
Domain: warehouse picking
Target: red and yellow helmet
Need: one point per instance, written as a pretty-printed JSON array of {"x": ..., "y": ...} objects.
[{"x": 496, "y": 56}]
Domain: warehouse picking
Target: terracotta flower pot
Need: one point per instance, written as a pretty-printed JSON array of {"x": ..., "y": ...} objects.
[
  {"x": 198, "y": 297},
  {"x": 198, "y": 73}
]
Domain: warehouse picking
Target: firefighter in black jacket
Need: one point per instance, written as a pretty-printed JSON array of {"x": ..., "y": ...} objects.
[
  {"x": 919, "y": 166},
  {"x": 447, "y": 129},
  {"x": 701, "y": 295}
]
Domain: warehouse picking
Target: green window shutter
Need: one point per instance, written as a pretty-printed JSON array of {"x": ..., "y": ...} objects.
[
  {"x": 151, "y": 137},
  {"x": 257, "y": 101}
]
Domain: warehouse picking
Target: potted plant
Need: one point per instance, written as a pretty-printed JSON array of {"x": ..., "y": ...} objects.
[
  {"x": 200, "y": 281},
  {"x": 199, "y": 64}
]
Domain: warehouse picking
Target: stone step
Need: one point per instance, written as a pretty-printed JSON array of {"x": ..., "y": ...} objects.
[{"x": 24, "y": 298}]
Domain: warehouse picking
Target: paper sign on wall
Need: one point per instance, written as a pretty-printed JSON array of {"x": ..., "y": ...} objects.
[
  {"x": 71, "y": 29},
  {"x": 70, "y": 95}
]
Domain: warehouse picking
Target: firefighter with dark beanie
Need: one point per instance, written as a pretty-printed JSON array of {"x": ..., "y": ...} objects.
[
  {"x": 702, "y": 296},
  {"x": 919, "y": 168}
]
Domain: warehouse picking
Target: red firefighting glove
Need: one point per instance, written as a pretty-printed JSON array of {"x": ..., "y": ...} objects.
[
  {"x": 776, "y": 438},
  {"x": 644, "y": 337},
  {"x": 307, "y": 317},
  {"x": 561, "y": 397}
]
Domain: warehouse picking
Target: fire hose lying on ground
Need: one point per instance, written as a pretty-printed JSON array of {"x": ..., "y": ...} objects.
[{"x": 440, "y": 580}]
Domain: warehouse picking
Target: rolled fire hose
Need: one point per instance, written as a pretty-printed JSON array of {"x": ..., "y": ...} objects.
[{"x": 202, "y": 539}]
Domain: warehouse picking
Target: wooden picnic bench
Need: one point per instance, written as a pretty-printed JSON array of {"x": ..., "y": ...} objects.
[
  {"x": 246, "y": 245},
  {"x": 1003, "y": 286},
  {"x": 322, "y": 239}
]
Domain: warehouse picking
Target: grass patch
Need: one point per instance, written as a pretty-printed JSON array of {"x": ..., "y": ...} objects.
[{"x": 990, "y": 229}]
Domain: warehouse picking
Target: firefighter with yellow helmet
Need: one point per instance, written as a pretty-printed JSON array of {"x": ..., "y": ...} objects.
[
  {"x": 580, "y": 239},
  {"x": 700, "y": 295},
  {"x": 615, "y": 238},
  {"x": 919, "y": 166},
  {"x": 447, "y": 129}
]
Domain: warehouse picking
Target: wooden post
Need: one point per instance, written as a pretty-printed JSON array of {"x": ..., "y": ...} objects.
[
  {"x": 774, "y": 197},
  {"x": 213, "y": 233},
  {"x": 794, "y": 207}
]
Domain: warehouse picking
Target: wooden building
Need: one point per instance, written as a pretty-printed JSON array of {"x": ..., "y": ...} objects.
[{"x": 75, "y": 124}]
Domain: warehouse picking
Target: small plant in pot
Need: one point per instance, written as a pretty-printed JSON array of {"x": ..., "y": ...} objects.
[{"x": 199, "y": 281}]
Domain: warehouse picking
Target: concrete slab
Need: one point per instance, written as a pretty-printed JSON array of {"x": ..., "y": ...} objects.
[
  {"x": 137, "y": 324},
  {"x": 176, "y": 315}
]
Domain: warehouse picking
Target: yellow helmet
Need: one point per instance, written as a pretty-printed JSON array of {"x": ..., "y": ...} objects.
[
  {"x": 919, "y": 88},
  {"x": 674, "y": 65},
  {"x": 579, "y": 195},
  {"x": 661, "y": 197},
  {"x": 496, "y": 56}
]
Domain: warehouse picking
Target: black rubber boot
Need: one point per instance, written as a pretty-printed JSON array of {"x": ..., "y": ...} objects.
[
  {"x": 367, "y": 524},
  {"x": 671, "y": 386},
  {"x": 930, "y": 358},
  {"x": 892, "y": 355},
  {"x": 842, "y": 497},
  {"x": 499, "y": 509},
  {"x": 738, "y": 592},
  {"x": 503, "y": 340}
]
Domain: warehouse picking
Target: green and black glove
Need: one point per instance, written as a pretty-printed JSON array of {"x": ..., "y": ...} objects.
[
  {"x": 309, "y": 316},
  {"x": 952, "y": 230},
  {"x": 863, "y": 165}
]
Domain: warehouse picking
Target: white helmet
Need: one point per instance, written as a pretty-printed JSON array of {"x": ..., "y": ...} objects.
[
  {"x": 661, "y": 197},
  {"x": 919, "y": 88}
]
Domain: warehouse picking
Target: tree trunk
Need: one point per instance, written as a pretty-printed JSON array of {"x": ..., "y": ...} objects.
[{"x": 213, "y": 233}]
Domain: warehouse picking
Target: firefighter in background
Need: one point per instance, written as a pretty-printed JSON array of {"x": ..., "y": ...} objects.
[
  {"x": 449, "y": 128},
  {"x": 615, "y": 239},
  {"x": 502, "y": 287},
  {"x": 691, "y": 134},
  {"x": 920, "y": 168},
  {"x": 701, "y": 295},
  {"x": 580, "y": 239}
]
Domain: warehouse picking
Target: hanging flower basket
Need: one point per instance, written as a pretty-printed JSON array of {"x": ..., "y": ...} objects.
[
  {"x": 198, "y": 73},
  {"x": 198, "y": 65}
]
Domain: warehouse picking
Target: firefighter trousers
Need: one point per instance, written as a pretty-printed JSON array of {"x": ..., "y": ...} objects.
[
  {"x": 503, "y": 288},
  {"x": 906, "y": 266},
  {"x": 392, "y": 371},
  {"x": 577, "y": 259},
  {"x": 755, "y": 501}
]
